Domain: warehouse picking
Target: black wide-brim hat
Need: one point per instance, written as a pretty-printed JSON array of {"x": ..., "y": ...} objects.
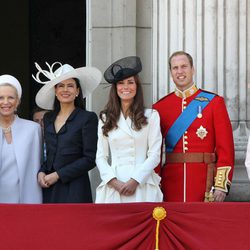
[{"x": 122, "y": 69}]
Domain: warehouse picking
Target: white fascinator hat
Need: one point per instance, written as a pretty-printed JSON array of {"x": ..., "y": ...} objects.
[{"x": 89, "y": 78}]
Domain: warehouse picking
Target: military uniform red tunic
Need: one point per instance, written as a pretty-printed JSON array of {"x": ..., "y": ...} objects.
[{"x": 187, "y": 181}]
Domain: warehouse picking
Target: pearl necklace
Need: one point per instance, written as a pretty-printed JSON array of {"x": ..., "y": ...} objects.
[{"x": 7, "y": 130}]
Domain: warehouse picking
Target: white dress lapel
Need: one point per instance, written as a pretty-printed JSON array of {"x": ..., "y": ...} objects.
[
  {"x": 17, "y": 131},
  {"x": 125, "y": 124}
]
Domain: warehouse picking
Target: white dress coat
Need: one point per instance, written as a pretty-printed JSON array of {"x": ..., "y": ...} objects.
[
  {"x": 247, "y": 161},
  {"x": 26, "y": 139},
  {"x": 134, "y": 154}
]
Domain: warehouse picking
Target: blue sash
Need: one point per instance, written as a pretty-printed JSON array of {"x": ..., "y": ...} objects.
[{"x": 185, "y": 119}]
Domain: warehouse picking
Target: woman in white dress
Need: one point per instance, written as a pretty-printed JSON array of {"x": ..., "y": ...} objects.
[
  {"x": 20, "y": 148},
  {"x": 129, "y": 134}
]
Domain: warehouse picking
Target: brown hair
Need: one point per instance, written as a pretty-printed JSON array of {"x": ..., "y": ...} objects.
[
  {"x": 111, "y": 113},
  {"x": 181, "y": 53}
]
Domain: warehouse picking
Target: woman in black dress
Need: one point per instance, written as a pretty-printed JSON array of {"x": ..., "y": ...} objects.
[{"x": 70, "y": 133}]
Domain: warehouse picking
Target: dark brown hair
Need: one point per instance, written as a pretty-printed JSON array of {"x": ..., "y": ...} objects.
[
  {"x": 111, "y": 113},
  {"x": 180, "y": 53}
]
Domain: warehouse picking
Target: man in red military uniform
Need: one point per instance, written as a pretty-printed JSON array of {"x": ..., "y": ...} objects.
[{"x": 198, "y": 139}]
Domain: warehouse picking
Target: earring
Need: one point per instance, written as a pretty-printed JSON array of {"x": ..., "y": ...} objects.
[{"x": 76, "y": 95}]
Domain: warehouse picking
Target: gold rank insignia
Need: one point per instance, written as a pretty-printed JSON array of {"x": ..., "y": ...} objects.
[
  {"x": 201, "y": 132},
  {"x": 202, "y": 99}
]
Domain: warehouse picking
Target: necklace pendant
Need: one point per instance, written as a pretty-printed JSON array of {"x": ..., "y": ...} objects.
[{"x": 6, "y": 130}]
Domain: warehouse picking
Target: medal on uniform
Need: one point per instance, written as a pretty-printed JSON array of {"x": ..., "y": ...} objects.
[
  {"x": 201, "y": 132},
  {"x": 199, "y": 115}
]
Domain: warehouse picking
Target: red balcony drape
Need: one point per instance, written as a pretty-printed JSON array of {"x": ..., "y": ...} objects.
[{"x": 201, "y": 226}]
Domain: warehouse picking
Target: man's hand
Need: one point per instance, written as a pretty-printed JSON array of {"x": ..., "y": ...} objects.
[{"x": 219, "y": 196}]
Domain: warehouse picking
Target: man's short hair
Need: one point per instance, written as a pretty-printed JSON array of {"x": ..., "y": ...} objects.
[{"x": 181, "y": 53}]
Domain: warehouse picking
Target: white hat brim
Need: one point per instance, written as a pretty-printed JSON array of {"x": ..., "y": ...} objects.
[{"x": 89, "y": 78}]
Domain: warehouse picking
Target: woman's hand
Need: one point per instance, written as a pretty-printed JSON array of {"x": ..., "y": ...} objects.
[
  {"x": 46, "y": 181},
  {"x": 129, "y": 187},
  {"x": 40, "y": 179},
  {"x": 51, "y": 179},
  {"x": 116, "y": 184}
]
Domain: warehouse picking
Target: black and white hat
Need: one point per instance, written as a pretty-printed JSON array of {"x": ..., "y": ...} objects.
[{"x": 89, "y": 78}]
